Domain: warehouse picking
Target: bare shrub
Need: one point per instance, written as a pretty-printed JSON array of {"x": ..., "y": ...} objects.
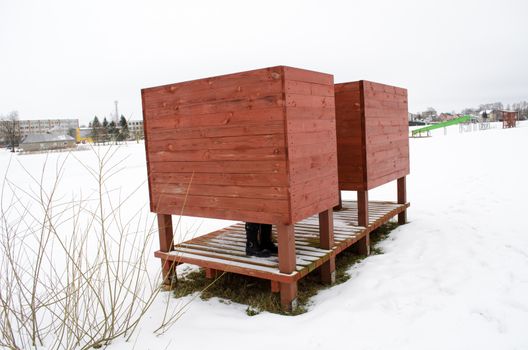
[{"x": 73, "y": 271}]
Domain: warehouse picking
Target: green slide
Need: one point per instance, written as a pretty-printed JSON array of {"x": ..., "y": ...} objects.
[{"x": 442, "y": 125}]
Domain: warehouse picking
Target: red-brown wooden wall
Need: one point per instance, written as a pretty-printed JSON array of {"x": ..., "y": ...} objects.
[
  {"x": 253, "y": 146},
  {"x": 372, "y": 134}
]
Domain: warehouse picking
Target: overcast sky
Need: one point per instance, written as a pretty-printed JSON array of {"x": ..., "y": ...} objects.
[{"x": 64, "y": 58}]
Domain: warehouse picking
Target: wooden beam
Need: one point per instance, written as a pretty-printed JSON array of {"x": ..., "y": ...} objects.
[
  {"x": 229, "y": 266},
  {"x": 326, "y": 229},
  {"x": 211, "y": 273},
  {"x": 340, "y": 205},
  {"x": 286, "y": 240},
  {"x": 288, "y": 296},
  {"x": 362, "y": 203},
  {"x": 287, "y": 263},
  {"x": 166, "y": 238},
  {"x": 326, "y": 241},
  {"x": 363, "y": 245},
  {"x": 328, "y": 273},
  {"x": 402, "y": 199}
]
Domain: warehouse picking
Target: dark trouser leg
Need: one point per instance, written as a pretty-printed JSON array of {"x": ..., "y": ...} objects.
[
  {"x": 266, "y": 241},
  {"x": 253, "y": 247}
]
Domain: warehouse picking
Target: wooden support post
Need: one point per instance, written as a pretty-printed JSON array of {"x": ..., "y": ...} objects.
[
  {"x": 275, "y": 287},
  {"x": 287, "y": 264},
  {"x": 340, "y": 205},
  {"x": 210, "y": 273},
  {"x": 166, "y": 238},
  {"x": 166, "y": 235},
  {"x": 402, "y": 199},
  {"x": 363, "y": 245},
  {"x": 362, "y": 202},
  {"x": 326, "y": 241}
]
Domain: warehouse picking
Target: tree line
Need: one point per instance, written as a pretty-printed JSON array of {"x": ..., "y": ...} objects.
[
  {"x": 109, "y": 131},
  {"x": 101, "y": 132},
  {"x": 520, "y": 107}
]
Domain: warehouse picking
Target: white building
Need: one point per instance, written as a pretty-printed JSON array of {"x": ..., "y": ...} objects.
[
  {"x": 46, "y": 142},
  {"x": 135, "y": 129},
  {"x": 43, "y": 126}
]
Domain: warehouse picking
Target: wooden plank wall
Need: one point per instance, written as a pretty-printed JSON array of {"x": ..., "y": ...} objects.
[
  {"x": 218, "y": 147},
  {"x": 350, "y": 136},
  {"x": 386, "y": 133},
  {"x": 372, "y": 134},
  {"x": 311, "y": 135}
]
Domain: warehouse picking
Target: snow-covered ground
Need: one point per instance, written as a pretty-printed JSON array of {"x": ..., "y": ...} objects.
[{"x": 455, "y": 277}]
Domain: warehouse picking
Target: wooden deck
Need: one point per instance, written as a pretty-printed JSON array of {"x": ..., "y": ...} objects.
[{"x": 224, "y": 250}]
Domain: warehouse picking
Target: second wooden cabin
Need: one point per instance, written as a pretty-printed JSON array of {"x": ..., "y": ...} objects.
[{"x": 372, "y": 141}]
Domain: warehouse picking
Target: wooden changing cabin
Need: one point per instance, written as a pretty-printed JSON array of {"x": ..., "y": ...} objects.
[
  {"x": 256, "y": 146},
  {"x": 372, "y": 144}
]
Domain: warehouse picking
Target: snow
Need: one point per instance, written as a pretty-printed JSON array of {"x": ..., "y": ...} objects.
[{"x": 454, "y": 277}]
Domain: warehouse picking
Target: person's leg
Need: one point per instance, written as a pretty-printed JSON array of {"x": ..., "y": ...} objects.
[
  {"x": 253, "y": 247},
  {"x": 266, "y": 241}
]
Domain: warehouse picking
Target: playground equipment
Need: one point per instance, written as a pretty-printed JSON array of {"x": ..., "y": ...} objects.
[
  {"x": 261, "y": 146},
  {"x": 447, "y": 123}
]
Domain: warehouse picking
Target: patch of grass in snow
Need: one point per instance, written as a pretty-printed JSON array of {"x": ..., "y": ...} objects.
[
  {"x": 379, "y": 235},
  {"x": 255, "y": 292},
  {"x": 230, "y": 287},
  {"x": 343, "y": 262}
]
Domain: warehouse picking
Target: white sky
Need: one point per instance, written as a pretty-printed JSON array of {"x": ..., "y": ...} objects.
[{"x": 64, "y": 58}]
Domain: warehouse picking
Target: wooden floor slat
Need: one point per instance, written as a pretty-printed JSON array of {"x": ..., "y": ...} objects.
[
  {"x": 305, "y": 250},
  {"x": 225, "y": 249}
]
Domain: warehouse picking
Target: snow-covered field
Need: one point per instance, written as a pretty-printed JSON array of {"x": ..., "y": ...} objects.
[{"x": 455, "y": 277}]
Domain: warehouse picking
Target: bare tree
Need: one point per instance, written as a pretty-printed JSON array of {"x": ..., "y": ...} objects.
[
  {"x": 492, "y": 106},
  {"x": 74, "y": 272},
  {"x": 9, "y": 130},
  {"x": 430, "y": 113}
]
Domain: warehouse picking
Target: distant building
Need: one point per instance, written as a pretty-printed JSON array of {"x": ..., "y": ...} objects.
[
  {"x": 83, "y": 135},
  {"x": 509, "y": 118},
  {"x": 413, "y": 117},
  {"x": 446, "y": 116},
  {"x": 135, "y": 129},
  {"x": 494, "y": 115},
  {"x": 43, "y": 126},
  {"x": 46, "y": 142}
]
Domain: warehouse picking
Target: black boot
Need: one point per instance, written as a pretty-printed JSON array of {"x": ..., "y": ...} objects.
[
  {"x": 253, "y": 247},
  {"x": 266, "y": 242}
]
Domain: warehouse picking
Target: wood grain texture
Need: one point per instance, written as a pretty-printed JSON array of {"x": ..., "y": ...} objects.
[
  {"x": 312, "y": 152},
  {"x": 255, "y": 146},
  {"x": 372, "y": 134},
  {"x": 166, "y": 239},
  {"x": 386, "y": 116}
]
